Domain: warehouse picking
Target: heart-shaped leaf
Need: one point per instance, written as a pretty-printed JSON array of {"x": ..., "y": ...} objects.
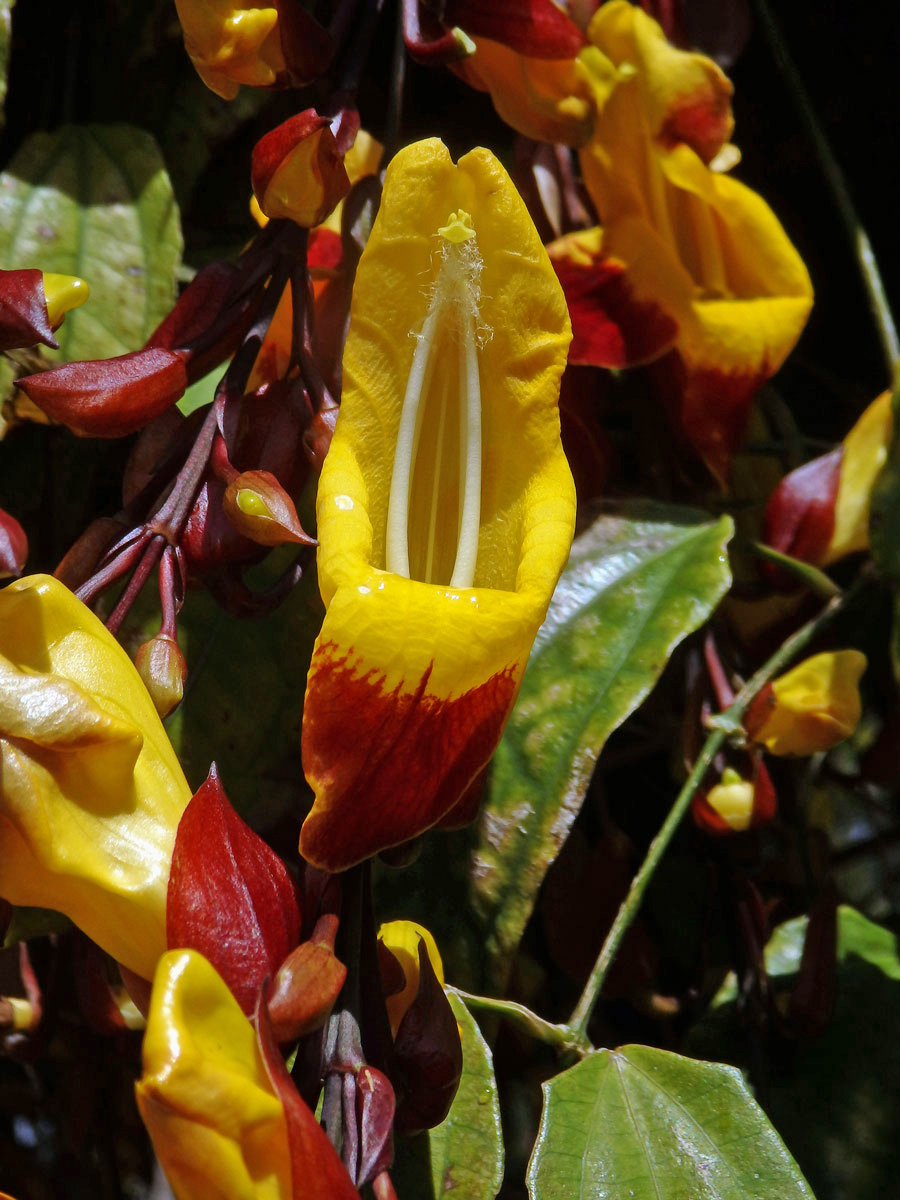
[{"x": 643, "y": 1123}]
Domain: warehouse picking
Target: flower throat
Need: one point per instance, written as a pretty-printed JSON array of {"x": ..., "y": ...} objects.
[{"x": 434, "y": 511}]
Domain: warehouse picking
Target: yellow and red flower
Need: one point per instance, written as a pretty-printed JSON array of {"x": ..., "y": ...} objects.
[
  {"x": 445, "y": 506},
  {"x": 691, "y": 270},
  {"x": 810, "y": 708}
]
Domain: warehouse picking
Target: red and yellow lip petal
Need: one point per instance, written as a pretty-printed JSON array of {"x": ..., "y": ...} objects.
[{"x": 411, "y": 682}]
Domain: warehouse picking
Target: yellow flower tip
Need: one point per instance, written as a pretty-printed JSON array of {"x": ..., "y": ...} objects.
[
  {"x": 63, "y": 293},
  {"x": 257, "y": 213},
  {"x": 403, "y": 939},
  {"x": 458, "y": 228},
  {"x": 464, "y": 44},
  {"x": 732, "y": 799}
]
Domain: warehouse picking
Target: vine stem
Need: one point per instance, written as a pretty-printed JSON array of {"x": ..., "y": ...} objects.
[{"x": 859, "y": 239}]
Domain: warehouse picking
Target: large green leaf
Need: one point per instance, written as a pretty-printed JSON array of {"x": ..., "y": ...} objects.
[
  {"x": 463, "y": 1156},
  {"x": 836, "y": 1097},
  {"x": 95, "y": 201},
  {"x": 647, "y": 1124},
  {"x": 5, "y": 32},
  {"x": 638, "y": 581}
]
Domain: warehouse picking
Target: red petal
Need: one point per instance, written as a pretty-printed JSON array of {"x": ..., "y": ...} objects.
[
  {"x": 13, "y": 546},
  {"x": 230, "y": 896},
  {"x": 110, "y": 397},
  {"x": 610, "y": 328},
  {"x": 24, "y": 319},
  {"x": 316, "y": 1171},
  {"x": 537, "y": 28}
]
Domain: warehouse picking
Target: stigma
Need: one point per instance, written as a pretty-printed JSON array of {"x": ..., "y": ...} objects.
[{"x": 434, "y": 510}]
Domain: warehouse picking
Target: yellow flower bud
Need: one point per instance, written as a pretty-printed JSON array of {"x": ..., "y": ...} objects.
[
  {"x": 402, "y": 938},
  {"x": 63, "y": 293}
]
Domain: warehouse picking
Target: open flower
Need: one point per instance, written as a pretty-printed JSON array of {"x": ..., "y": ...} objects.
[
  {"x": 691, "y": 270},
  {"x": 445, "y": 506},
  {"x": 810, "y": 708},
  {"x": 91, "y": 792}
]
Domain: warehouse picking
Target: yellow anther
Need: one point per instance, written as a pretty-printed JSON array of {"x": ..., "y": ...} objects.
[
  {"x": 252, "y": 504},
  {"x": 63, "y": 293},
  {"x": 458, "y": 229}
]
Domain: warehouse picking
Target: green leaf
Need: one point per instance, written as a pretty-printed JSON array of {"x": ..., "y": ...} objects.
[
  {"x": 836, "y": 1097},
  {"x": 6, "y": 7},
  {"x": 643, "y": 1123},
  {"x": 95, "y": 201},
  {"x": 639, "y": 580},
  {"x": 463, "y": 1156}
]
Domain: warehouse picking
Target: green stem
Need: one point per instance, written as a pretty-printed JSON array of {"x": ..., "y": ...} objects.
[
  {"x": 817, "y": 581},
  {"x": 523, "y": 1018},
  {"x": 859, "y": 239},
  {"x": 730, "y": 719}
]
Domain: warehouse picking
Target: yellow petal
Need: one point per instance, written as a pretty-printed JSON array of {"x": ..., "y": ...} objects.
[
  {"x": 412, "y": 681},
  {"x": 230, "y": 44},
  {"x": 216, "y": 1123},
  {"x": 865, "y": 453},
  {"x": 92, "y": 792},
  {"x": 812, "y": 707},
  {"x": 732, "y": 799}
]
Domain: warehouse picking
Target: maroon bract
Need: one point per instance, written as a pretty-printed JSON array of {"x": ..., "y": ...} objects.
[
  {"x": 24, "y": 320},
  {"x": 230, "y": 895},
  {"x": 110, "y": 397}
]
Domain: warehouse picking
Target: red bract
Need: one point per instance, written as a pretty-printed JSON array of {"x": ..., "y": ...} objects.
[
  {"x": 13, "y": 546},
  {"x": 259, "y": 508},
  {"x": 316, "y": 1171},
  {"x": 375, "y": 1107},
  {"x": 800, "y": 513},
  {"x": 230, "y": 896},
  {"x": 110, "y": 397},
  {"x": 203, "y": 326},
  {"x": 24, "y": 320},
  {"x": 537, "y": 28}
]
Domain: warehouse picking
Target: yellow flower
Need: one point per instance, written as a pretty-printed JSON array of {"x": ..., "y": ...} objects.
[
  {"x": 91, "y": 792},
  {"x": 445, "y": 506},
  {"x": 689, "y": 260},
  {"x": 231, "y": 43},
  {"x": 810, "y": 708},
  {"x": 217, "y": 1124}
]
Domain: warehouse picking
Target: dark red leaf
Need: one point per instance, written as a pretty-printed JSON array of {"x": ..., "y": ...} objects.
[
  {"x": 428, "y": 1055},
  {"x": 317, "y": 1172},
  {"x": 230, "y": 895},
  {"x": 537, "y": 28},
  {"x": 110, "y": 397},
  {"x": 24, "y": 319}
]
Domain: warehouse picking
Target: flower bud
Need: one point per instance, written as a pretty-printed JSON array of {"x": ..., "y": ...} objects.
[
  {"x": 810, "y": 708},
  {"x": 24, "y": 320},
  {"x": 259, "y": 508},
  {"x": 735, "y": 804},
  {"x": 13, "y": 546},
  {"x": 402, "y": 938},
  {"x": 297, "y": 170},
  {"x": 110, "y": 397},
  {"x": 307, "y": 984},
  {"x": 163, "y": 669}
]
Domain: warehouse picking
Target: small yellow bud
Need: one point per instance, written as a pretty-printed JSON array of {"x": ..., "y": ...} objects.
[{"x": 63, "y": 293}]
